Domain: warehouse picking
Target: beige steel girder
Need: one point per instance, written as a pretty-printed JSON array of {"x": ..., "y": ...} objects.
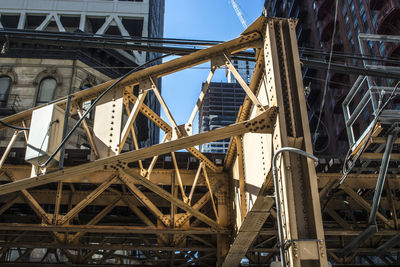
[
  {"x": 103, "y": 210},
  {"x": 279, "y": 84}
]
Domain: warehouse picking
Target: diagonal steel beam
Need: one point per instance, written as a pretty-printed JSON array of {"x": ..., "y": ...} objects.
[
  {"x": 249, "y": 230},
  {"x": 156, "y": 119},
  {"x": 11, "y": 200},
  {"x": 247, "y": 40},
  {"x": 244, "y": 85},
  {"x": 89, "y": 199},
  {"x": 135, "y": 141},
  {"x": 364, "y": 204},
  {"x": 97, "y": 218},
  {"x": 127, "y": 175},
  {"x": 142, "y": 197},
  {"x": 199, "y": 204},
  {"x": 32, "y": 202},
  {"x": 131, "y": 119},
  {"x": 263, "y": 123}
]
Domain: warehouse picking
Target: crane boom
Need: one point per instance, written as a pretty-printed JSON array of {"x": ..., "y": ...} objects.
[{"x": 239, "y": 13}]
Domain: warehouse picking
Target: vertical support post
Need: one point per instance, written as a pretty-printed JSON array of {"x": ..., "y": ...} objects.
[
  {"x": 108, "y": 123},
  {"x": 297, "y": 186},
  {"x": 223, "y": 212},
  {"x": 242, "y": 182},
  {"x": 58, "y": 202},
  {"x": 65, "y": 129},
  {"x": 381, "y": 178},
  {"x": 173, "y": 192},
  {"x": 25, "y": 131}
]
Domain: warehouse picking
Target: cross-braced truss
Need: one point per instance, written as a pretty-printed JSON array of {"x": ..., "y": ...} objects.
[
  {"x": 119, "y": 208},
  {"x": 157, "y": 206}
]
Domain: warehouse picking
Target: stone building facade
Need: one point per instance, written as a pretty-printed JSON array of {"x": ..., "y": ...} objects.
[
  {"x": 33, "y": 74},
  {"x": 32, "y": 81}
]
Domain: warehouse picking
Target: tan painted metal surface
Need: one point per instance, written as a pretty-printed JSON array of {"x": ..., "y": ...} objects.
[{"x": 195, "y": 211}]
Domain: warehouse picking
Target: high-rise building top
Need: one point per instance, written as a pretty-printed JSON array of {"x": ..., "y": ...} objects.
[{"x": 124, "y": 18}]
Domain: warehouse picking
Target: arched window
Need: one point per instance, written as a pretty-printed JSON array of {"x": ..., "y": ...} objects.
[
  {"x": 5, "y": 84},
  {"x": 47, "y": 88}
]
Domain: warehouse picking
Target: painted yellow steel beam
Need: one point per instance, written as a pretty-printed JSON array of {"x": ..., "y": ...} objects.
[
  {"x": 245, "y": 41},
  {"x": 262, "y": 123}
]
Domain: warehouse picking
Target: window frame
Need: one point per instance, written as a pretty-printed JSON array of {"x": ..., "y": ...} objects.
[{"x": 37, "y": 102}]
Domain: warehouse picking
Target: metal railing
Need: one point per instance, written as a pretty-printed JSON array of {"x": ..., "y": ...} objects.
[{"x": 363, "y": 98}]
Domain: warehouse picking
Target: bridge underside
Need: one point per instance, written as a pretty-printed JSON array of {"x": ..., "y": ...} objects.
[{"x": 156, "y": 206}]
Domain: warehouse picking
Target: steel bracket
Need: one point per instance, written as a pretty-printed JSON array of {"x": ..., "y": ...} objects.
[{"x": 312, "y": 249}]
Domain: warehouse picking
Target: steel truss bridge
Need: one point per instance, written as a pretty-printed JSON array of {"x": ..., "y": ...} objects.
[{"x": 123, "y": 208}]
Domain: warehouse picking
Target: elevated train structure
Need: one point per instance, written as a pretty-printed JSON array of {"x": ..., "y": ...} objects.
[{"x": 123, "y": 207}]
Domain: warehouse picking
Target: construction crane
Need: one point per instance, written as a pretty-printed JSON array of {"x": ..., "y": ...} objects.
[{"x": 239, "y": 13}]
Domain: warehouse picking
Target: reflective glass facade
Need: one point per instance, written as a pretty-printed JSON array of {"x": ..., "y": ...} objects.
[{"x": 220, "y": 107}]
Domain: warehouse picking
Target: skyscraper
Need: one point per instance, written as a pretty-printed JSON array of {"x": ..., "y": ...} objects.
[
  {"x": 220, "y": 108},
  {"x": 335, "y": 39},
  {"x": 32, "y": 74}
]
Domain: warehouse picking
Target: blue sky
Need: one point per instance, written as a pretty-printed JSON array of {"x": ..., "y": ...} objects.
[{"x": 203, "y": 20}]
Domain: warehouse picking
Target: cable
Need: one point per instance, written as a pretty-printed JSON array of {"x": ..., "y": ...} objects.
[
  {"x": 321, "y": 52},
  {"x": 14, "y": 127},
  {"x": 84, "y": 35},
  {"x": 123, "y": 41},
  {"x": 94, "y": 103},
  {"x": 327, "y": 131},
  {"x": 327, "y": 73},
  {"x": 328, "y": 142},
  {"x": 54, "y": 39}
]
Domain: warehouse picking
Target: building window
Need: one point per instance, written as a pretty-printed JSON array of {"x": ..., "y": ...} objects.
[
  {"x": 5, "y": 84},
  {"x": 47, "y": 88}
]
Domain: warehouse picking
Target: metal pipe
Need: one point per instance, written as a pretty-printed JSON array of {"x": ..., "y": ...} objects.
[
  {"x": 381, "y": 178},
  {"x": 278, "y": 212},
  {"x": 379, "y": 37}
]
